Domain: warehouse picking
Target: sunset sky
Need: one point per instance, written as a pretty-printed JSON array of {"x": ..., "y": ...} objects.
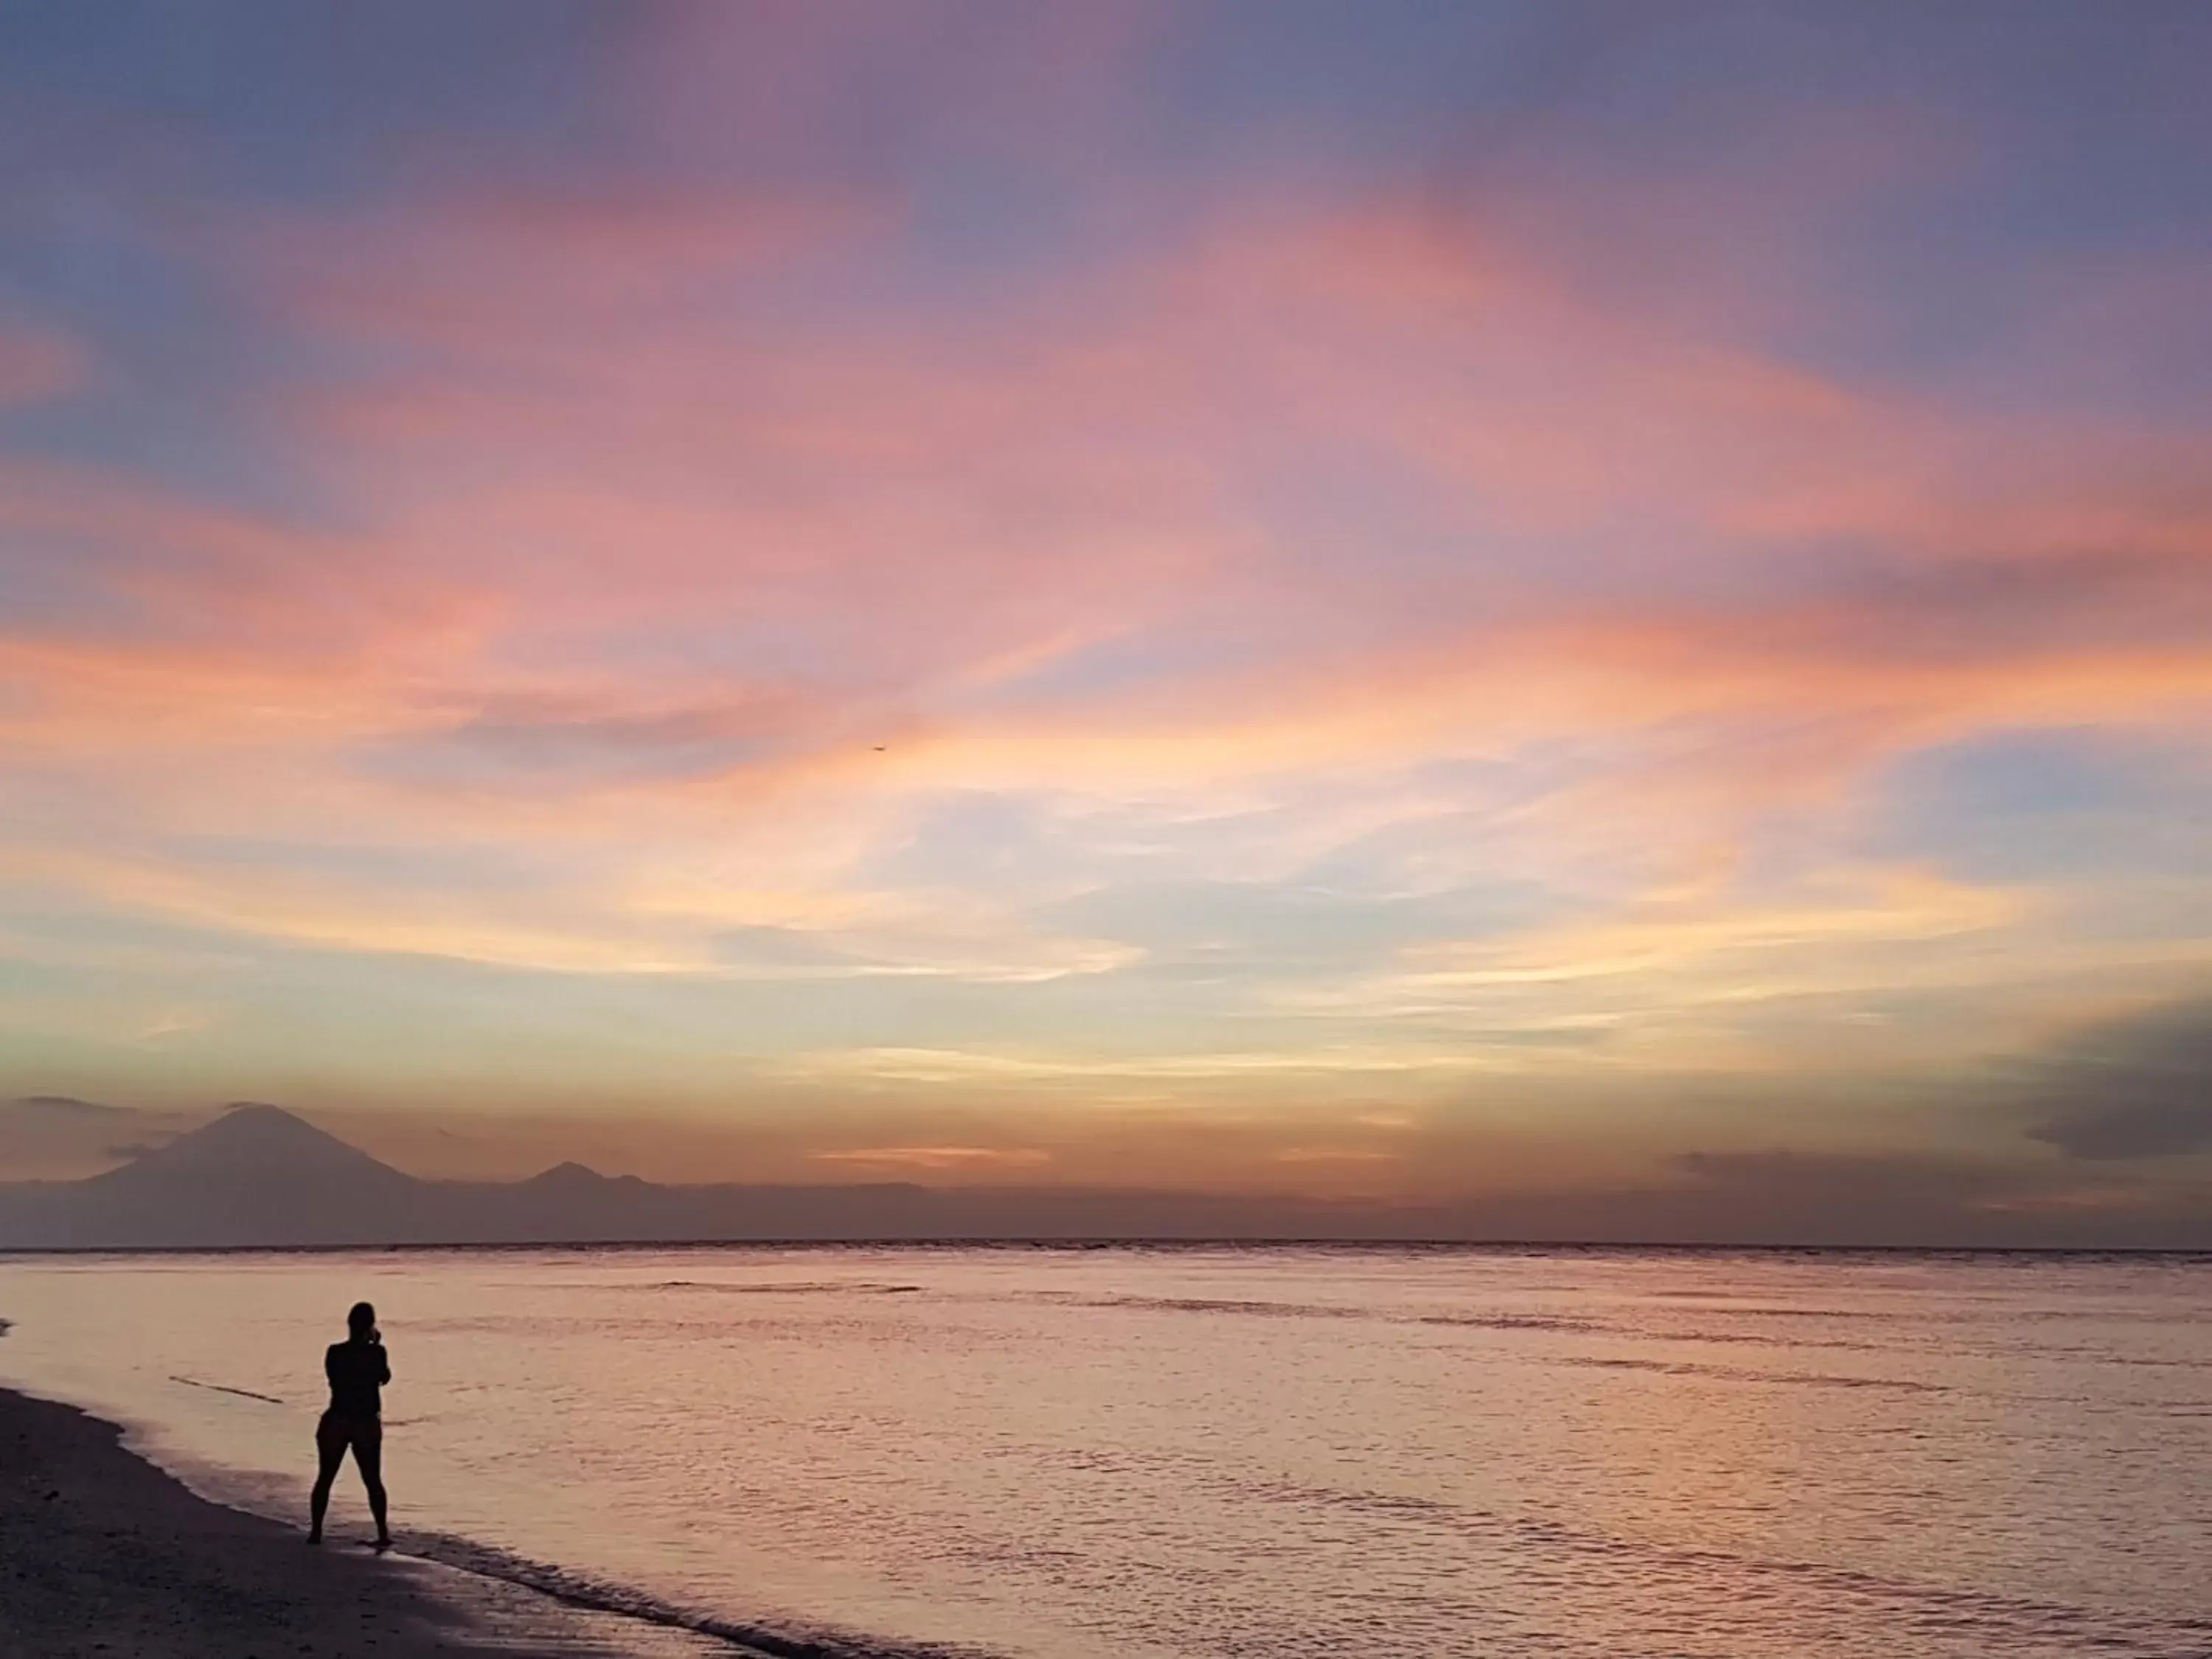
[{"x": 1353, "y": 599}]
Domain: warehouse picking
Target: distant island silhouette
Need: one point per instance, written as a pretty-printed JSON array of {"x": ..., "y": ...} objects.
[{"x": 260, "y": 1176}]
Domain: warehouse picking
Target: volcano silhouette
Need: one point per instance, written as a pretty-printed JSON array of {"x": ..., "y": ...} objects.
[
  {"x": 254, "y": 1142},
  {"x": 256, "y": 1175}
]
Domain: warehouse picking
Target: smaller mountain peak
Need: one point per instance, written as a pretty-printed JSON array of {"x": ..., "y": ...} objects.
[{"x": 570, "y": 1174}]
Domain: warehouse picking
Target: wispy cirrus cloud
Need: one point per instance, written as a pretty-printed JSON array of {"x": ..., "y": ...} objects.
[{"x": 459, "y": 697}]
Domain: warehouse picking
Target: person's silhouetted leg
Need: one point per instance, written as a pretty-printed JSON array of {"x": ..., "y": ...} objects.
[
  {"x": 369, "y": 1458},
  {"x": 329, "y": 1452}
]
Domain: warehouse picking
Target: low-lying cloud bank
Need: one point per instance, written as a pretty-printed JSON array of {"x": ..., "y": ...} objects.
[{"x": 2141, "y": 1088}]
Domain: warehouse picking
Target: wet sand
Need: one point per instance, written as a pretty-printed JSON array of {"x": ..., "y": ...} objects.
[{"x": 102, "y": 1554}]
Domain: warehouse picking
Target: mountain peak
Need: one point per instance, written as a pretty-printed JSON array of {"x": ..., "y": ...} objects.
[
  {"x": 570, "y": 1174},
  {"x": 260, "y": 1111},
  {"x": 254, "y": 1138},
  {"x": 254, "y": 1123}
]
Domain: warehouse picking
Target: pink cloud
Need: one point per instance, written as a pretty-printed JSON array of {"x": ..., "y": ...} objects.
[
  {"x": 901, "y": 502},
  {"x": 613, "y": 538}
]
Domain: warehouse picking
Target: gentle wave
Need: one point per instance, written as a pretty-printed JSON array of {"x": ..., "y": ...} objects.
[
  {"x": 1271, "y": 1309},
  {"x": 1745, "y": 1374},
  {"x": 1517, "y": 1323},
  {"x": 579, "y": 1589},
  {"x": 803, "y": 1287},
  {"x": 1202, "y": 1304},
  {"x": 224, "y": 1388}
]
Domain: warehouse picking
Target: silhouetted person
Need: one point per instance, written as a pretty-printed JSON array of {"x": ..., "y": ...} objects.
[{"x": 358, "y": 1370}]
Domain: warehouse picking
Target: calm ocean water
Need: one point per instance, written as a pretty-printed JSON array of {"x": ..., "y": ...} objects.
[{"x": 1228, "y": 1454}]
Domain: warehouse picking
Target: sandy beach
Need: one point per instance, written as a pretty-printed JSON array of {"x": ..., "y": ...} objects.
[{"x": 102, "y": 1554}]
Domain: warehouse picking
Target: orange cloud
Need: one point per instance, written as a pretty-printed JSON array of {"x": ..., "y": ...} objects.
[{"x": 940, "y": 1157}]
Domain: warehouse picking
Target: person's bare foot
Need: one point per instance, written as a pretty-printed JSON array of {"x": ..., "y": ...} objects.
[
  {"x": 381, "y": 1545},
  {"x": 314, "y": 1538}
]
